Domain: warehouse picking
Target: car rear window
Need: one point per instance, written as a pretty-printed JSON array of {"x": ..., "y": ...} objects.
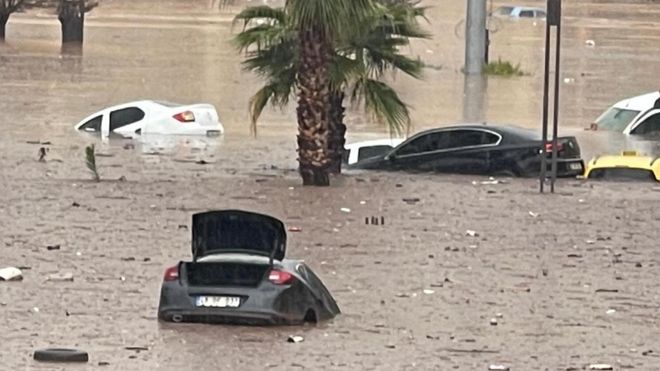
[
  {"x": 616, "y": 119},
  {"x": 168, "y": 104},
  {"x": 622, "y": 174}
]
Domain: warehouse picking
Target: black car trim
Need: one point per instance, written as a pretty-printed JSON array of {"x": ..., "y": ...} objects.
[{"x": 449, "y": 149}]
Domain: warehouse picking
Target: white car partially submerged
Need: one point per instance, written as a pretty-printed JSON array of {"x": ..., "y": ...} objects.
[
  {"x": 636, "y": 115},
  {"x": 358, "y": 151},
  {"x": 154, "y": 117}
]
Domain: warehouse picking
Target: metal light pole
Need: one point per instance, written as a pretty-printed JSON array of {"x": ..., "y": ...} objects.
[
  {"x": 553, "y": 19},
  {"x": 475, "y": 37}
]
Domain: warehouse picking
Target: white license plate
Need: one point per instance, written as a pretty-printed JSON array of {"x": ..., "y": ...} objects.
[
  {"x": 218, "y": 301},
  {"x": 575, "y": 166}
]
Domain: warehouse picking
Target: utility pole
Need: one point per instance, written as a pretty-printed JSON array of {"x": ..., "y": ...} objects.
[{"x": 475, "y": 37}]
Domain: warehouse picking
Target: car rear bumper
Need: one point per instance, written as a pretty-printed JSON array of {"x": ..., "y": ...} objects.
[
  {"x": 566, "y": 168},
  {"x": 234, "y": 316}
]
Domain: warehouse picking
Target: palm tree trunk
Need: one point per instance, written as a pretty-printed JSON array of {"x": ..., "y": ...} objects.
[
  {"x": 313, "y": 107},
  {"x": 3, "y": 25},
  {"x": 337, "y": 135}
]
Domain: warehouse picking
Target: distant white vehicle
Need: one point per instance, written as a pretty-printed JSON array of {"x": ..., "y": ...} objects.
[
  {"x": 636, "y": 115},
  {"x": 519, "y": 12},
  {"x": 154, "y": 117},
  {"x": 362, "y": 150}
]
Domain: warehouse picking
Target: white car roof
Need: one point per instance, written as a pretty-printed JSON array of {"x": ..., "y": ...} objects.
[
  {"x": 640, "y": 102},
  {"x": 376, "y": 142}
]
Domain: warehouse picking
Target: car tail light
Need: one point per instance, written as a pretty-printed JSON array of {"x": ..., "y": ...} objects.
[
  {"x": 186, "y": 116},
  {"x": 548, "y": 147},
  {"x": 279, "y": 277},
  {"x": 171, "y": 273}
]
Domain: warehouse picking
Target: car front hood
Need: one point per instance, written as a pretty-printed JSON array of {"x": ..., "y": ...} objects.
[{"x": 237, "y": 231}]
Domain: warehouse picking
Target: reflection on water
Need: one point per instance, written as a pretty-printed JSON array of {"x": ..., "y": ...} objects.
[
  {"x": 138, "y": 50},
  {"x": 474, "y": 98}
]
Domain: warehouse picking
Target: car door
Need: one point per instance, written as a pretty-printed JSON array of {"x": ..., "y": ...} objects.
[
  {"x": 125, "y": 120},
  {"x": 425, "y": 152},
  {"x": 526, "y": 14},
  {"x": 469, "y": 151},
  {"x": 649, "y": 124}
]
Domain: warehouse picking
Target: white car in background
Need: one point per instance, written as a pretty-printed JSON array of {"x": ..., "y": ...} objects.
[
  {"x": 512, "y": 11},
  {"x": 636, "y": 115},
  {"x": 154, "y": 117},
  {"x": 358, "y": 151}
]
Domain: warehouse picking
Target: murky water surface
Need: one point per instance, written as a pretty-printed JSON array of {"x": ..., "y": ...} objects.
[{"x": 181, "y": 51}]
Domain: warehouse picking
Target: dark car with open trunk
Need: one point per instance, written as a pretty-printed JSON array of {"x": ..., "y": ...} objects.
[{"x": 239, "y": 275}]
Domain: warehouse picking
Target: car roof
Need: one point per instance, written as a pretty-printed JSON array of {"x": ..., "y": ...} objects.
[
  {"x": 376, "y": 142},
  {"x": 521, "y": 7},
  {"x": 506, "y": 131},
  {"x": 639, "y": 103}
]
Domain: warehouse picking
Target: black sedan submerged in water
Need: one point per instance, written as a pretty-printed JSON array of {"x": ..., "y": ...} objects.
[
  {"x": 238, "y": 274},
  {"x": 478, "y": 149}
]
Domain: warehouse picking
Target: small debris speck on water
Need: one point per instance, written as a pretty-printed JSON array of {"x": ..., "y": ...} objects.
[{"x": 295, "y": 339}]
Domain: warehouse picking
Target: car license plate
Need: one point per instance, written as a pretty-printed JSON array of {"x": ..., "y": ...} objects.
[
  {"x": 218, "y": 301},
  {"x": 575, "y": 166}
]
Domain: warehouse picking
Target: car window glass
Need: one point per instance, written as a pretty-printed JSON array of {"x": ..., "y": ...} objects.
[
  {"x": 426, "y": 143},
  {"x": 373, "y": 151},
  {"x": 540, "y": 14},
  {"x": 93, "y": 124},
  {"x": 125, "y": 116},
  {"x": 468, "y": 138},
  {"x": 620, "y": 174},
  {"x": 616, "y": 119},
  {"x": 346, "y": 155},
  {"x": 527, "y": 14},
  {"x": 650, "y": 126}
]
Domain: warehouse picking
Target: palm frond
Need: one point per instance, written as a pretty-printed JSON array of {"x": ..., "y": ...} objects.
[{"x": 381, "y": 101}]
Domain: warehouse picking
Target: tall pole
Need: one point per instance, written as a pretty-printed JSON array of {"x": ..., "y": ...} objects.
[
  {"x": 475, "y": 37},
  {"x": 546, "y": 101},
  {"x": 555, "y": 115}
]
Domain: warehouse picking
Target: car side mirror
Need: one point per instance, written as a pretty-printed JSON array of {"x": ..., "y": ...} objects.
[{"x": 391, "y": 157}]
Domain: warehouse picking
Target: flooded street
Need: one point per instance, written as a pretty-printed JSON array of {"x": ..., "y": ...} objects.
[{"x": 575, "y": 285}]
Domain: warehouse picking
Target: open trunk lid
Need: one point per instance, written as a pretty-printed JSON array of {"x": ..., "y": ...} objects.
[{"x": 236, "y": 231}]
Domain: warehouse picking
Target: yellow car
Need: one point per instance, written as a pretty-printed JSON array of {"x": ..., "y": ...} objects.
[{"x": 627, "y": 166}]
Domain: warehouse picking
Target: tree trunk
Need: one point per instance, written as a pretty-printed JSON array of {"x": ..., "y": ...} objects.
[
  {"x": 3, "y": 26},
  {"x": 337, "y": 133},
  {"x": 72, "y": 18},
  {"x": 313, "y": 108}
]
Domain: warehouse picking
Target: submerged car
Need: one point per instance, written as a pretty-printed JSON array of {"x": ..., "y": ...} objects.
[
  {"x": 154, "y": 117},
  {"x": 519, "y": 12},
  {"x": 638, "y": 115},
  {"x": 238, "y": 274},
  {"x": 627, "y": 166},
  {"x": 478, "y": 149},
  {"x": 358, "y": 151}
]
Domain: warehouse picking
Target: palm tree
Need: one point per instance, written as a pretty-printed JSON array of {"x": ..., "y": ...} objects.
[{"x": 357, "y": 63}]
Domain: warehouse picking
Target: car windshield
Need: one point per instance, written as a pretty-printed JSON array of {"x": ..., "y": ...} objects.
[
  {"x": 622, "y": 174},
  {"x": 616, "y": 119}
]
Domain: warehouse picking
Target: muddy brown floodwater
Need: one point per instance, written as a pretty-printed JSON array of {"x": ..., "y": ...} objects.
[{"x": 571, "y": 278}]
